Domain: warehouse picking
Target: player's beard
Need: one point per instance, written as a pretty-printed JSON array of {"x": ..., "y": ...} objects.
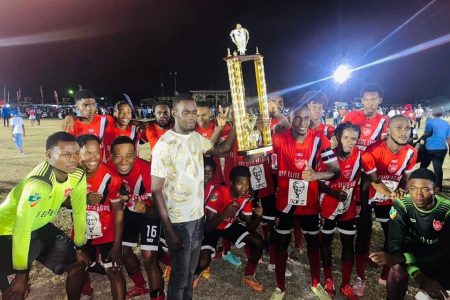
[{"x": 162, "y": 125}]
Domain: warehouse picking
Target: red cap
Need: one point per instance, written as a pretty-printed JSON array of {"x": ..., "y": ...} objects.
[{"x": 408, "y": 106}]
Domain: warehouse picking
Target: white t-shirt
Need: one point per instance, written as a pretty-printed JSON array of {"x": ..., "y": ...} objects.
[
  {"x": 16, "y": 123},
  {"x": 178, "y": 158}
]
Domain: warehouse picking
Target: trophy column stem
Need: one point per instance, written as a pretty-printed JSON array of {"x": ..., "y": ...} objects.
[
  {"x": 262, "y": 99},
  {"x": 238, "y": 96}
]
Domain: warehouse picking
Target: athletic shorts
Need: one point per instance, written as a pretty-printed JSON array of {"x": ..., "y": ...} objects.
[
  {"x": 138, "y": 228},
  {"x": 382, "y": 213},
  {"x": 49, "y": 245},
  {"x": 235, "y": 234},
  {"x": 309, "y": 224},
  {"x": 268, "y": 206},
  {"x": 347, "y": 227},
  {"x": 101, "y": 249}
]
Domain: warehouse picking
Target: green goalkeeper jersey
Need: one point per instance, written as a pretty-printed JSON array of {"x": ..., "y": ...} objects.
[
  {"x": 423, "y": 237},
  {"x": 35, "y": 202}
]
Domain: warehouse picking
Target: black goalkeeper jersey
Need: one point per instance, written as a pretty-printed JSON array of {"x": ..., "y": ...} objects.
[{"x": 422, "y": 236}]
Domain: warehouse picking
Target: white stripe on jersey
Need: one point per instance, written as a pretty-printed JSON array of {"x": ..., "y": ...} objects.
[
  {"x": 102, "y": 127},
  {"x": 133, "y": 132},
  {"x": 314, "y": 150},
  {"x": 137, "y": 187},
  {"x": 408, "y": 156},
  {"x": 378, "y": 129},
  {"x": 102, "y": 186}
]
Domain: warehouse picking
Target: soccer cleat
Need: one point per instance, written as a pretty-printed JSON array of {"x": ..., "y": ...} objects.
[
  {"x": 348, "y": 293},
  {"x": 320, "y": 292},
  {"x": 232, "y": 259},
  {"x": 196, "y": 281},
  {"x": 251, "y": 282},
  {"x": 271, "y": 268},
  {"x": 206, "y": 273},
  {"x": 329, "y": 287},
  {"x": 359, "y": 287},
  {"x": 166, "y": 275},
  {"x": 136, "y": 291},
  {"x": 277, "y": 295}
]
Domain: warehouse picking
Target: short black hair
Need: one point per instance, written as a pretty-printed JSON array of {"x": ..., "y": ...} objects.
[
  {"x": 181, "y": 97},
  {"x": 163, "y": 103},
  {"x": 347, "y": 125},
  {"x": 315, "y": 96},
  {"x": 423, "y": 173},
  {"x": 60, "y": 136},
  {"x": 203, "y": 104},
  {"x": 85, "y": 138},
  {"x": 372, "y": 87},
  {"x": 83, "y": 94},
  {"x": 122, "y": 140},
  {"x": 239, "y": 171},
  {"x": 209, "y": 161}
]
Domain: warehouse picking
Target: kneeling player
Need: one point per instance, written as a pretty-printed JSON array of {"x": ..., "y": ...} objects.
[
  {"x": 104, "y": 215},
  {"x": 419, "y": 240},
  {"x": 222, "y": 212},
  {"x": 141, "y": 224}
]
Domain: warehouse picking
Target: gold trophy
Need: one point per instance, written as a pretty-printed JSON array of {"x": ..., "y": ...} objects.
[{"x": 250, "y": 140}]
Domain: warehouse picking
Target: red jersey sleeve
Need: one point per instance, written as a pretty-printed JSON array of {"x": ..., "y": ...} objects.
[
  {"x": 330, "y": 131},
  {"x": 248, "y": 208},
  {"x": 152, "y": 138},
  {"x": 384, "y": 131},
  {"x": 368, "y": 163},
  {"x": 327, "y": 154}
]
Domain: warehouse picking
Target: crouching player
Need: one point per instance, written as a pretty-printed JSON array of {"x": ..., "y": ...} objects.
[
  {"x": 419, "y": 240},
  {"x": 223, "y": 208},
  {"x": 338, "y": 208},
  {"x": 104, "y": 215}
]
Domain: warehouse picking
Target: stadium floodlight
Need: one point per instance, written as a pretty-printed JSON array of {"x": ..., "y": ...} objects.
[{"x": 342, "y": 74}]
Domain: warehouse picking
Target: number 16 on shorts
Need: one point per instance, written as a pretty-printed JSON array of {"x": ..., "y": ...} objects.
[{"x": 152, "y": 233}]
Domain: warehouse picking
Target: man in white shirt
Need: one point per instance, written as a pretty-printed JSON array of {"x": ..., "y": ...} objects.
[
  {"x": 177, "y": 189},
  {"x": 18, "y": 131},
  {"x": 419, "y": 114}
]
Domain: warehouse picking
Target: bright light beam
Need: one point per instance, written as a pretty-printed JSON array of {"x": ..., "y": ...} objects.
[
  {"x": 398, "y": 28},
  {"x": 409, "y": 51},
  {"x": 342, "y": 74}
]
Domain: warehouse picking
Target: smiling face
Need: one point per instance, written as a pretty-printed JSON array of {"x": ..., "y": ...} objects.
[
  {"x": 123, "y": 157},
  {"x": 300, "y": 121},
  {"x": 124, "y": 115},
  {"x": 203, "y": 116},
  {"x": 90, "y": 156}
]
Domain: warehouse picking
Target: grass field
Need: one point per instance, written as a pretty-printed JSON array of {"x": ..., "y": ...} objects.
[{"x": 226, "y": 280}]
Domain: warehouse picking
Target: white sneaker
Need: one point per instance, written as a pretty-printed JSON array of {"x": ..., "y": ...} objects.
[
  {"x": 359, "y": 287},
  {"x": 271, "y": 268}
]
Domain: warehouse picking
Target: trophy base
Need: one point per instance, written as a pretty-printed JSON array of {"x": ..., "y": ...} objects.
[{"x": 255, "y": 151}]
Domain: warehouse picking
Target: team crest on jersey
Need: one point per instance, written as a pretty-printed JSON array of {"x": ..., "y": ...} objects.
[
  {"x": 367, "y": 130},
  {"x": 393, "y": 213},
  {"x": 347, "y": 173},
  {"x": 89, "y": 188},
  {"x": 392, "y": 168},
  {"x": 213, "y": 197},
  {"x": 33, "y": 200},
  {"x": 300, "y": 163},
  {"x": 67, "y": 192},
  {"x": 437, "y": 225}
]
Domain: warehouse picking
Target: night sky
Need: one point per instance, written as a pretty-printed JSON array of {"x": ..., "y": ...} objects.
[{"x": 112, "y": 47}]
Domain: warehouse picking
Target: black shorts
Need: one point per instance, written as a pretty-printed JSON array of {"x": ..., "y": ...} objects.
[
  {"x": 235, "y": 234},
  {"x": 268, "y": 206},
  {"x": 382, "y": 213},
  {"x": 309, "y": 224},
  {"x": 138, "y": 228},
  {"x": 345, "y": 227},
  {"x": 48, "y": 245},
  {"x": 103, "y": 250}
]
